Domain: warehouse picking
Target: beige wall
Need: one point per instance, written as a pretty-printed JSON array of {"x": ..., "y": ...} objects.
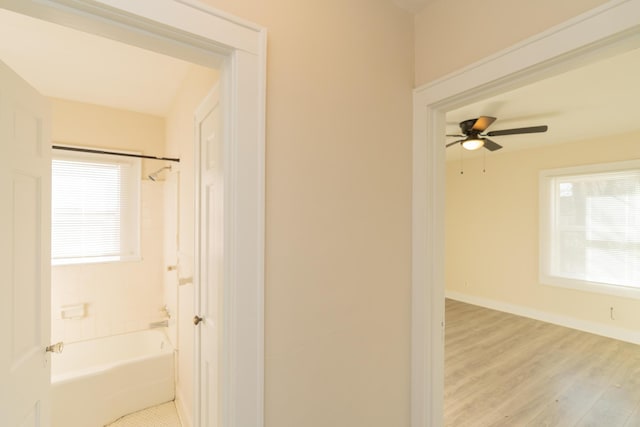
[
  {"x": 180, "y": 143},
  {"x": 121, "y": 296},
  {"x": 492, "y": 231},
  {"x": 103, "y": 127},
  {"x": 451, "y": 34},
  {"x": 338, "y": 182}
]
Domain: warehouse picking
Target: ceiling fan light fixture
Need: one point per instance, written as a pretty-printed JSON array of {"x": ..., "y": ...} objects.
[
  {"x": 472, "y": 132},
  {"x": 473, "y": 143}
]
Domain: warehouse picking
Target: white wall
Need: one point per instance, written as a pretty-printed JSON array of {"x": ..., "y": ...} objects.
[
  {"x": 123, "y": 296},
  {"x": 492, "y": 236},
  {"x": 180, "y": 143}
]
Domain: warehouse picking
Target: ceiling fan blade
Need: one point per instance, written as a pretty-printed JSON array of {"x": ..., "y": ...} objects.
[
  {"x": 453, "y": 143},
  {"x": 532, "y": 129},
  {"x": 482, "y": 123},
  {"x": 491, "y": 145},
  {"x": 458, "y": 136}
]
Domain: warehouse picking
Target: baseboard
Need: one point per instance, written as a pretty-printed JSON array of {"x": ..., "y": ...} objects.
[
  {"x": 556, "y": 319},
  {"x": 183, "y": 413}
]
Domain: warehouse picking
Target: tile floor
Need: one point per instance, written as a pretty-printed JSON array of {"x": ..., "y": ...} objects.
[{"x": 164, "y": 415}]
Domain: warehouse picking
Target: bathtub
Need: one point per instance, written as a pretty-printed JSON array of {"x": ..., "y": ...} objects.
[{"x": 98, "y": 381}]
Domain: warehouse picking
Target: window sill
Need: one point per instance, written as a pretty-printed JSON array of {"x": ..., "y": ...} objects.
[
  {"x": 592, "y": 287},
  {"x": 96, "y": 260}
]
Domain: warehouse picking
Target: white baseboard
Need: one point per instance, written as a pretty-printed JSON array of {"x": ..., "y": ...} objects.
[
  {"x": 566, "y": 321},
  {"x": 183, "y": 413}
]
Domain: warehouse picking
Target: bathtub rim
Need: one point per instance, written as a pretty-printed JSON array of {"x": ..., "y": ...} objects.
[{"x": 69, "y": 375}]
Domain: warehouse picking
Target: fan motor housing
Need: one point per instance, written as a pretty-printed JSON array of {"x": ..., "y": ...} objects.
[{"x": 467, "y": 126}]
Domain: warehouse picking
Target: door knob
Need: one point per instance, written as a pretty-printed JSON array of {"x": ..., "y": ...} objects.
[
  {"x": 197, "y": 319},
  {"x": 55, "y": 348}
]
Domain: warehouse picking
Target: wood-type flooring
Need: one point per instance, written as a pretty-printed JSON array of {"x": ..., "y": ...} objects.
[{"x": 507, "y": 370}]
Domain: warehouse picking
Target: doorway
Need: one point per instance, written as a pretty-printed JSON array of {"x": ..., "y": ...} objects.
[
  {"x": 205, "y": 36},
  {"x": 578, "y": 41}
]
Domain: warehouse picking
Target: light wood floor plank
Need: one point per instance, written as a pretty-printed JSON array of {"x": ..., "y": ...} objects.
[{"x": 506, "y": 370}]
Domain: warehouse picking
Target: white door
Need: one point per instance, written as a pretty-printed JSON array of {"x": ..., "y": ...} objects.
[
  {"x": 25, "y": 260},
  {"x": 210, "y": 259}
]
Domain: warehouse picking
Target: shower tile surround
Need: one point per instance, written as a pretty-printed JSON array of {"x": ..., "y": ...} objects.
[{"x": 120, "y": 297}]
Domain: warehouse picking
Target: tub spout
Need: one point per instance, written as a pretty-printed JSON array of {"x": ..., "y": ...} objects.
[
  {"x": 160, "y": 324},
  {"x": 55, "y": 348},
  {"x": 165, "y": 310}
]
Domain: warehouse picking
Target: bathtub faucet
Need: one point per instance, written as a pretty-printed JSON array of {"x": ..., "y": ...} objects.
[
  {"x": 160, "y": 324},
  {"x": 165, "y": 310}
]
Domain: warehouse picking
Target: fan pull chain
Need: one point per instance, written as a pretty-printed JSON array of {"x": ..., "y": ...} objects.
[
  {"x": 484, "y": 161},
  {"x": 461, "y": 166}
]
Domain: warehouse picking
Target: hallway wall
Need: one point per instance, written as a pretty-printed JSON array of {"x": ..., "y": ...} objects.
[
  {"x": 452, "y": 34},
  {"x": 338, "y": 210}
]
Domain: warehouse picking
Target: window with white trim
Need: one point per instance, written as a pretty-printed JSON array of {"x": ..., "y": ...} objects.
[
  {"x": 590, "y": 227},
  {"x": 95, "y": 205}
]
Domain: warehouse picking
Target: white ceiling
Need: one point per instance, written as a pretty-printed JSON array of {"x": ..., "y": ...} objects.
[
  {"x": 64, "y": 63},
  {"x": 595, "y": 100}
]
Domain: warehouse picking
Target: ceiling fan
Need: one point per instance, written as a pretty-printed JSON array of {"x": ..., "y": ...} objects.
[{"x": 474, "y": 138}]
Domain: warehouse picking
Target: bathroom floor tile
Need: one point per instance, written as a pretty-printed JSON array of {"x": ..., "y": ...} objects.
[{"x": 164, "y": 415}]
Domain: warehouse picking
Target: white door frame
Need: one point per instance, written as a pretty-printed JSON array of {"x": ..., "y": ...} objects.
[
  {"x": 198, "y": 33},
  {"x": 604, "y": 31}
]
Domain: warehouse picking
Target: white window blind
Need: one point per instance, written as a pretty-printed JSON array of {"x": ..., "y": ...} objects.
[
  {"x": 94, "y": 208},
  {"x": 590, "y": 226}
]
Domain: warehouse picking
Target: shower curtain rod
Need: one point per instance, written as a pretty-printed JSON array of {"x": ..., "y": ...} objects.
[{"x": 89, "y": 150}]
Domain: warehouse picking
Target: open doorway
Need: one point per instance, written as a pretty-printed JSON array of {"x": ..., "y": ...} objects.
[
  {"x": 111, "y": 97},
  {"x": 516, "y": 348},
  {"x": 243, "y": 103},
  {"x": 530, "y": 61}
]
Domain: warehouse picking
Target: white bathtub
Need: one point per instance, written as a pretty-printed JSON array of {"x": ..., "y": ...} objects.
[{"x": 96, "y": 382}]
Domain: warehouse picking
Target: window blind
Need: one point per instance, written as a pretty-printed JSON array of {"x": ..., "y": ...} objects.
[
  {"x": 95, "y": 208},
  {"x": 594, "y": 227}
]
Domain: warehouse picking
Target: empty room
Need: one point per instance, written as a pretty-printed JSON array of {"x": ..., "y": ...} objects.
[{"x": 543, "y": 252}]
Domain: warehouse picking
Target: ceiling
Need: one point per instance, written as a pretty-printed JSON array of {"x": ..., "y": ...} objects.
[
  {"x": 593, "y": 101},
  {"x": 64, "y": 63}
]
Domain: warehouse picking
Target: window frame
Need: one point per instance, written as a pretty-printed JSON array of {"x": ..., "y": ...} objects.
[
  {"x": 132, "y": 216},
  {"x": 546, "y": 212}
]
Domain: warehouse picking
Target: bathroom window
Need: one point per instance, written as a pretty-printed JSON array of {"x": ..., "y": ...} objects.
[
  {"x": 95, "y": 208},
  {"x": 590, "y": 228}
]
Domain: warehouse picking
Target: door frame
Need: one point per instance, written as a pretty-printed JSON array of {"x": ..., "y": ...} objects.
[
  {"x": 612, "y": 28},
  {"x": 193, "y": 31}
]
